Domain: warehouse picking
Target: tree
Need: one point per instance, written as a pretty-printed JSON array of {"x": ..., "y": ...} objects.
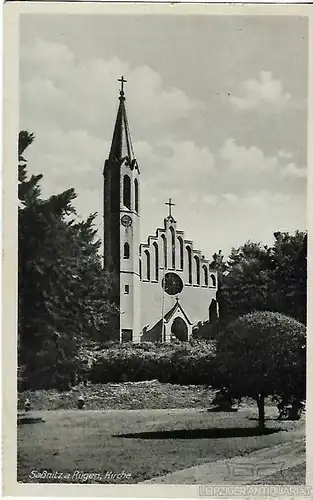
[
  {"x": 264, "y": 278},
  {"x": 259, "y": 355},
  {"x": 244, "y": 281},
  {"x": 28, "y": 190},
  {"x": 220, "y": 265},
  {"x": 64, "y": 294},
  {"x": 289, "y": 274},
  {"x": 207, "y": 330}
]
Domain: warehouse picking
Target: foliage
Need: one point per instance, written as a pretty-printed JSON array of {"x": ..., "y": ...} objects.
[
  {"x": 178, "y": 363},
  {"x": 63, "y": 291},
  {"x": 208, "y": 330},
  {"x": 264, "y": 278},
  {"x": 291, "y": 410},
  {"x": 223, "y": 400},
  {"x": 289, "y": 269},
  {"x": 262, "y": 354},
  {"x": 221, "y": 266},
  {"x": 246, "y": 284},
  {"x": 66, "y": 299}
]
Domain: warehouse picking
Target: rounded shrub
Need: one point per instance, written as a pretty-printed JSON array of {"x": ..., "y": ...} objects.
[{"x": 262, "y": 354}]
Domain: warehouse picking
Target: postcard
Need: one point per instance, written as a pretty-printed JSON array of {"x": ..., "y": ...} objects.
[{"x": 155, "y": 243}]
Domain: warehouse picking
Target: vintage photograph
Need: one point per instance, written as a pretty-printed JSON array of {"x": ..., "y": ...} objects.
[{"x": 162, "y": 249}]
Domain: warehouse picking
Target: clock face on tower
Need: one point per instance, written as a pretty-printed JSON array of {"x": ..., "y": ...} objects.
[
  {"x": 126, "y": 221},
  {"x": 172, "y": 283}
]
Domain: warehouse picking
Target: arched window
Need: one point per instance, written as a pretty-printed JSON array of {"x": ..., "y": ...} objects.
[
  {"x": 173, "y": 246},
  {"x": 197, "y": 261},
  {"x": 126, "y": 251},
  {"x": 213, "y": 280},
  {"x": 126, "y": 191},
  {"x": 181, "y": 252},
  {"x": 164, "y": 250},
  {"x": 136, "y": 195},
  {"x": 189, "y": 264},
  {"x": 205, "y": 275},
  {"x": 156, "y": 261},
  {"x": 148, "y": 272}
]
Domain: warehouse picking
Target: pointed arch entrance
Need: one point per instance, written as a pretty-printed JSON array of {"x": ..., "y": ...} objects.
[
  {"x": 179, "y": 329},
  {"x": 177, "y": 324}
]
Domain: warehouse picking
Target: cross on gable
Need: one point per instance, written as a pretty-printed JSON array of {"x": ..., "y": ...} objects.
[
  {"x": 122, "y": 80},
  {"x": 170, "y": 205}
]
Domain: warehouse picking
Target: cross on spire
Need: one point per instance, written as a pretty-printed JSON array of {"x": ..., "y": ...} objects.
[
  {"x": 122, "y": 80},
  {"x": 170, "y": 205}
]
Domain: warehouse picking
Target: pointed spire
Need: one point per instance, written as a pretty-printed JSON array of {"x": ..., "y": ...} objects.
[{"x": 121, "y": 146}]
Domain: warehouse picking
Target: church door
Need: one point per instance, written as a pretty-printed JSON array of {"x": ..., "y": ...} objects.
[
  {"x": 179, "y": 329},
  {"x": 127, "y": 335}
]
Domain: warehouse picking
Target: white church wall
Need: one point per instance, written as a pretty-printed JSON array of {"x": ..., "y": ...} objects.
[
  {"x": 197, "y": 293},
  {"x": 194, "y": 300},
  {"x": 129, "y": 262}
]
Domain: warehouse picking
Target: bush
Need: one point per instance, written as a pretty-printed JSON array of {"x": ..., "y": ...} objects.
[
  {"x": 207, "y": 330},
  {"x": 178, "y": 363},
  {"x": 223, "y": 400},
  {"x": 262, "y": 354},
  {"x": 289, "y": 408}
]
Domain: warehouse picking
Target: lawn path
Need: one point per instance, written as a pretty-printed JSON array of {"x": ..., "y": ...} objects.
[{"x": 241, "y": 470}]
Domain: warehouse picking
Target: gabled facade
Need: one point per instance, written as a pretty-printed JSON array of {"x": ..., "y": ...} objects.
[{"x": 171, "y": 267}]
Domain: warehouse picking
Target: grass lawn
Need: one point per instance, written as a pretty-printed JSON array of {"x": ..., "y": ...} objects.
[
  {"x": 127, "y": 396},
  {"x": 143, "y": 443}
]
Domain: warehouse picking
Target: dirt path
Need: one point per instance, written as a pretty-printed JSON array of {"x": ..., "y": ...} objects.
[{"x": 247, "y": 469}]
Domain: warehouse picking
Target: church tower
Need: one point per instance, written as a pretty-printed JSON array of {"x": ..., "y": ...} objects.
[{"x": 121, "y": 222}]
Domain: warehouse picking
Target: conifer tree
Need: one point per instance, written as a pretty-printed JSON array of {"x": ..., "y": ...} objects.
[{"x": 65, "y": 297}]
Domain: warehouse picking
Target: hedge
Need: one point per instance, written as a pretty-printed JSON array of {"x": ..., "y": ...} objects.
[{"x": 179, "y": 363}]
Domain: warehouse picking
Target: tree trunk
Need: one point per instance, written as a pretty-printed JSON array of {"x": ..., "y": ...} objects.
[{"x": 260, "y": 402}]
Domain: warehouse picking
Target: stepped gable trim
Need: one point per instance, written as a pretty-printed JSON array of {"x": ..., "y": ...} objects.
[
  {"x": 179, "y": 233},
  {"x": 197, "y": 252},
  {"x": 152, "y": 239}
]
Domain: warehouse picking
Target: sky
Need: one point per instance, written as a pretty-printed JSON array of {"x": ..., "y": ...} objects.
[{"x": 217, "y": 107}]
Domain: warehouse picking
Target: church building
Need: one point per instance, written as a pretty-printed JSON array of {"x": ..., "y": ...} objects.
[{"x": 166, "y": 285}]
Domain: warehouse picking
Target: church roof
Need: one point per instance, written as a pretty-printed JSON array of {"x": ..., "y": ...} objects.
[
  {"x": 155, "y": 333},
  {"x": 121, "y": 146},
  {"x": 173, "y": 310}
]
